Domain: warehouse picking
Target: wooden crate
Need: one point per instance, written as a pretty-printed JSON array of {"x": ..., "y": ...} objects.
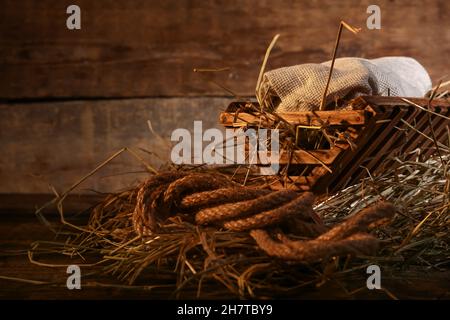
[{"x": 377, "y": 129}]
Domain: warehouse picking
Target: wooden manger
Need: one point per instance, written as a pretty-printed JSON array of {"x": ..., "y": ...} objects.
[{"x": 366, "y": 138}]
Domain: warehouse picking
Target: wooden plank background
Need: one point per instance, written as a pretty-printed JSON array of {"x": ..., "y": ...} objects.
[
  {"x": 139, "y": 48},
  {"x": 69, "y": 99},
  {"x": 58, "y": 143}
]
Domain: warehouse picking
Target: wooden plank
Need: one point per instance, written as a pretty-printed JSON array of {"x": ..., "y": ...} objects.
[
  {"x": 150, "y": 48},
  {"x": 28, "y": 203},
  {"x": 18, "y": 231},
  {"x": 57, "y": 143},
  {"x": 344, "y": 117},
  {"x": 18, "y": 234},
  {"x": 310, "y": 156}
]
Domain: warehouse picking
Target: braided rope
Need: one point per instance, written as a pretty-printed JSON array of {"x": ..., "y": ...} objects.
[
  {"x": 161, "y": 193},
  {"x": 221, "y": 196},
  {"x": 361, "y": 221},
  {"x": 307, "y": 229},
  {"x": 143, "y": 221},
  {"x": 298, "y": 207},
  {"x": 215, "y": 199},
  {"x": 315, "y": 250},
  {"x": 345, "y": 238},
  {"x": 245, "y": 208},
  {"x": 194, "y": 183}
]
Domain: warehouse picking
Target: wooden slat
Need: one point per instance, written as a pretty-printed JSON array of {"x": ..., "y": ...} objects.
[
  {"x": 149, "y": 48},
  {"x": 400, "y": 101},
  {"x": 351, "y": 163},
  {"x": 441, "y": 135},
  {"x": 437, "y": 126},
  {"x": 323, "y": 174},
  {"x": 398, "y": 140},
  {"x": 383, "y": 136},
  {"x": 416, "y": 139},
  {"x": 420, "y": 123},
  {"x": 311, "y": 157},
  {"x": 379, "y": 147},
  {"x": 353, "y": 117}
]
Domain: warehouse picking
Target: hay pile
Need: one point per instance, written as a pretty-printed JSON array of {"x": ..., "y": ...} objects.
[{"x": 184, "y": 259}]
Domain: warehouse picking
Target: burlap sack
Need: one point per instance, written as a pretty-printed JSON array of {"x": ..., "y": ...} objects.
[{"x": 300, "y": 87}]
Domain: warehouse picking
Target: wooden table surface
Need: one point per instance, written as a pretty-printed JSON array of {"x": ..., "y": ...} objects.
[{"x": 19, "y": 227}]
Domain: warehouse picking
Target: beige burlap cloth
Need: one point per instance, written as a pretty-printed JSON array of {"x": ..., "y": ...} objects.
[{"x": 300, "y": 87}]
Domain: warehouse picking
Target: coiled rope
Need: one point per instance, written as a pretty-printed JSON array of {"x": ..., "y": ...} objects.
[{"x": 214, "y": 199}]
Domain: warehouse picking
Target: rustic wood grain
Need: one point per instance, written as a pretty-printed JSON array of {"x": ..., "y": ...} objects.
[
  {"x": 26, "y": 204},
  {"x": 318, "y": 118},
  {"x": 325, "y": 156},
  {"x": 18, "y": 231},
  {"x": 58, "y": 143},
  {"x": 149, "y": 48}
]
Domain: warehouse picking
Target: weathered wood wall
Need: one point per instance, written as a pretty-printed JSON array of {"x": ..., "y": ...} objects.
[
  {"x": 148, "y": 49},
  {"x": 57, "y": 143}
]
